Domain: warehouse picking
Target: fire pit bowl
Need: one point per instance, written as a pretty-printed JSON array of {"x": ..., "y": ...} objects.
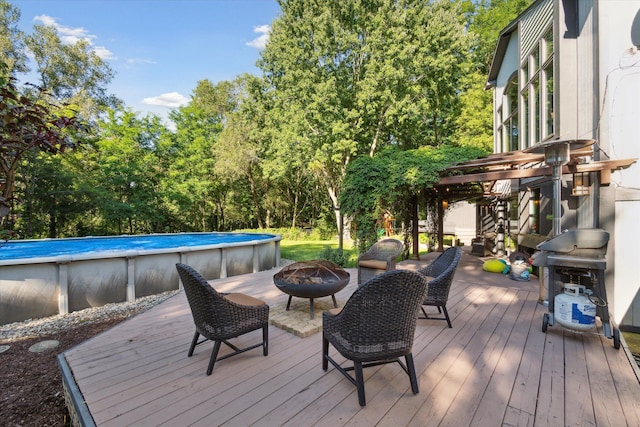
[{"x": 311, "y": 279}]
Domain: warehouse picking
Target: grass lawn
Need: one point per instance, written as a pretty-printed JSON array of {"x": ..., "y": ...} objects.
[{"x": 303, "y": 250}]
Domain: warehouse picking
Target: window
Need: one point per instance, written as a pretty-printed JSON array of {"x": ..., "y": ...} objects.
[
  {"x": 537, "y": 93},
  {"x": 509, "y": 131}
]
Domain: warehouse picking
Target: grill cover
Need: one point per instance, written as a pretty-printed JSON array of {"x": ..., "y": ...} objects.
[
  {"x": 579, "y": 242},
  {"x": 578, "y": 248}
]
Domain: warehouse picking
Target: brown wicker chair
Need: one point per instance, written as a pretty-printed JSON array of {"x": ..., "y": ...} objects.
[
  {"x": 440, "y": 273},
  {"x": 219, "y": 317},
  {"x": 376, "y": 326},
  {"x": 380, "y": 257}
]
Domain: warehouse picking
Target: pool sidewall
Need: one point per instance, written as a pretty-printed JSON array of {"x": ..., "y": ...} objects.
[{"x": 32, "y": 288}]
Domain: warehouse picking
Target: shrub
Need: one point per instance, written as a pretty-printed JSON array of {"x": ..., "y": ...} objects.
[{"x": 336, "y": 256}]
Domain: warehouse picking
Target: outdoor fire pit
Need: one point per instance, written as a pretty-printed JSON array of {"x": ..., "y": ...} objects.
[{"x": 311, "y": 279}]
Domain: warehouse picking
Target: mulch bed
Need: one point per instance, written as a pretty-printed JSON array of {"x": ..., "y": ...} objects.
[{"x": 31, "y": 383}]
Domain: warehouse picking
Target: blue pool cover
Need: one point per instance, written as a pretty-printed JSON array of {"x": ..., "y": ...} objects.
[{"x": 84, "y": 245}]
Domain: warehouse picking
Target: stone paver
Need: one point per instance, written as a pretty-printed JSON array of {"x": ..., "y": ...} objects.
[{"x": 297, "y": 320}]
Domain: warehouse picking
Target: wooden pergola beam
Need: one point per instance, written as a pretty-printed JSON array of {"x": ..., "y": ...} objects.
[{"x": 608, "y": 165}]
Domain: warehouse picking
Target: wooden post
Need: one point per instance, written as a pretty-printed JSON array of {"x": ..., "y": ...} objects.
[
  {"x": 440, "y": 226},
  {"x": 415, "y": 234}
]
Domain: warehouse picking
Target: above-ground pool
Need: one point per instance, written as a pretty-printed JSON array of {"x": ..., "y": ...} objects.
[{"x": 40, "y": 278}]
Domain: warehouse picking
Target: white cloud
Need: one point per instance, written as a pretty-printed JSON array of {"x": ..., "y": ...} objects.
[
  {"x": 260, "y": 41},
  {"x": 134, "y": 61},
  {"x": 104, "y": 53},
  {"x": 69, "y": 35},
  {"x": 169, "y": 100}
]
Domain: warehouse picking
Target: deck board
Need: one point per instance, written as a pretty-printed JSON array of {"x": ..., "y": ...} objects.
[{"x": 494, "y": 367}]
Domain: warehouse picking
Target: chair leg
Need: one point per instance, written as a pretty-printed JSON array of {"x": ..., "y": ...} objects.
[
  {"x": 214, "y": 355},
  {"x": 194, "y": 342},
  {"x": 265, "y": 340},
  {"x": 325, "y": 353},
  {"x": 446, "y": 315},
  {"x": 412, "y": 373},
  {"x": 441, "y": 309},
  {"x": 360, "y": 383}
]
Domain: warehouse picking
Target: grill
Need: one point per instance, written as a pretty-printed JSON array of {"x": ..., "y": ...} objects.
[{"x": 577, "y": 257}]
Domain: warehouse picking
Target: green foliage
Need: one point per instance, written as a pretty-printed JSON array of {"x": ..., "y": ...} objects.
[
  {"x": 390, "y": 180},
  {"x": 12, "y": 52},
  {"x": 474, "y": 124},
  {"x": 29, "y": 125},
  {"x": 71, "y": 73},
  {"x": 346, "y": 79},
  {"x": 360, "y": 107},
  {"x": 337, "y": 256},
  {"x": 303, "y": 250}
]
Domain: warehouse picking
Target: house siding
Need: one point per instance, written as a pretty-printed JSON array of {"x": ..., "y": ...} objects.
[
  {"x": 619, "y": 134},
  {"x": 596, "y": 96}
]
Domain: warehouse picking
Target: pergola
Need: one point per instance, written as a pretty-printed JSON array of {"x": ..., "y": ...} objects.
[{"x": 476, "y": 179}]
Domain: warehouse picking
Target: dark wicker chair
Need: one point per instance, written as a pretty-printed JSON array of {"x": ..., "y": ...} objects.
[
  {"x": 440, "y": 273},
  {"x": 219, "y": 317},
  {"x": 376, "y": 326},
  {"x": 380, "y": 257}
]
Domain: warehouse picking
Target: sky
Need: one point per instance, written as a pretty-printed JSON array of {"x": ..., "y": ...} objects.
[{"x": 160, "y": 49}]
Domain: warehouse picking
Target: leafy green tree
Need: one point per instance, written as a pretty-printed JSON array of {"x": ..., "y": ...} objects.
[
  {"x": 395, "y": 178},
  {"x": 72, "y": 73},
  {"x": 11, "y": 40},
  {"x": 71, "y": 84},
  {"x": 475, "y": 122},
  {"x": 238, "y": 151},
  {"x": 194, "y": 192},
  {"x": 120, "y": 176},
  {"x": 349, "y": 78},
  {"x": 29, "y": 125}
]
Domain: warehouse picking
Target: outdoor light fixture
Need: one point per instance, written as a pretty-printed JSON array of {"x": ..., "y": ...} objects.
[
  {"x": 487, "y": 186},
  {"x": 581, "y": 183},
  {"x": 445, "y": 204}
]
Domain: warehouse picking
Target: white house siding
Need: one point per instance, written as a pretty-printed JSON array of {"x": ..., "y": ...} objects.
[
  {"x": 619, "y": 132},
  {"x": 597, "y": 95},
  {"x": 460, "y": 219}
]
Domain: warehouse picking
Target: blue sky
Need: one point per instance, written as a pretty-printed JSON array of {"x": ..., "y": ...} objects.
[{"x": 160, "y": 49}]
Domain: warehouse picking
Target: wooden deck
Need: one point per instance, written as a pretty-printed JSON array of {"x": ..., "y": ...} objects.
[{"x": 495, "y": 367}]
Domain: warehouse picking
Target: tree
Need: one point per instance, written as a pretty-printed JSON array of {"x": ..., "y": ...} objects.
[
  {"x": 396, "y": 178},
  {"x": 72, "y": 73},
  {"x": 125, "y": 172},
  {"x": 349, "y": 78},
  {"x": 475, "y": 122},
  {"x": 194, "y": 192},
  {"x": 71, "y": 86},
  {"x": 238, "y": 151},
  {"x": 28, "y": 125},
  {"x": 12, "y": 51}
]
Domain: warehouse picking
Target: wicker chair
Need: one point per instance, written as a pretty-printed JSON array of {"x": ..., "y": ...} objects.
[
  {"x": 219, "y": 317},
  {"x": 380, "y": 257},
  {"x": 440, "y": 273},
  {"x": 376, "y": 326}
]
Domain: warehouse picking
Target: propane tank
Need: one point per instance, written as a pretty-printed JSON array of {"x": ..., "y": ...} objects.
[{"x": 573, "y": 309}]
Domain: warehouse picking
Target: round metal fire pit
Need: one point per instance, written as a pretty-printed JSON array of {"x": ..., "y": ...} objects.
[{"x": 311, "y": 279}]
